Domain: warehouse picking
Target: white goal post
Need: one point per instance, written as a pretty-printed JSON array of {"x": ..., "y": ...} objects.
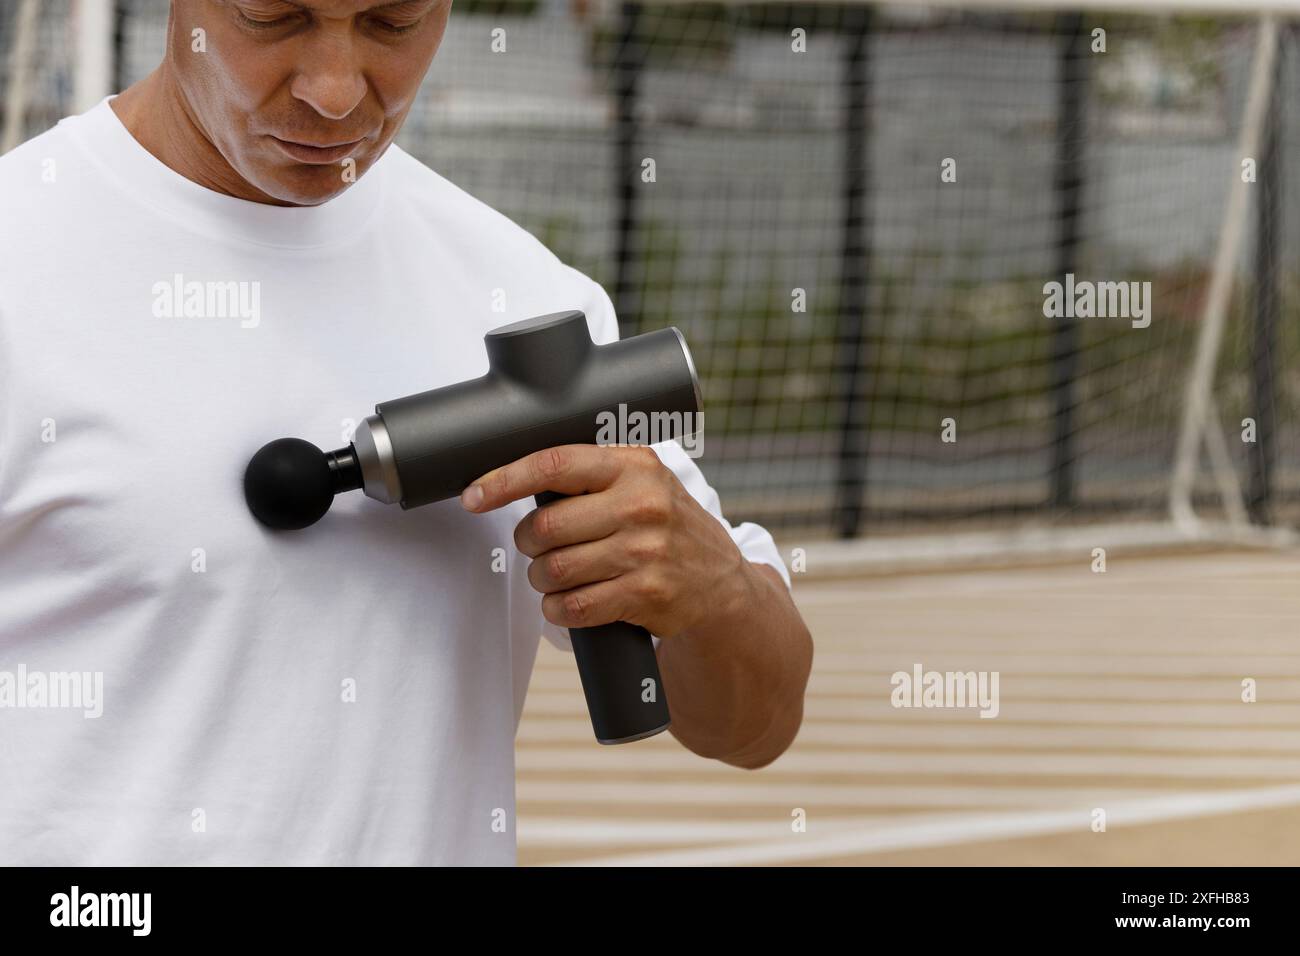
[
  {"x": 1199, "y": 419},
  {"x": 18, "y": 82},
  {"x": 1200, "y": 424},
  {"x": 93, "y": 74}
]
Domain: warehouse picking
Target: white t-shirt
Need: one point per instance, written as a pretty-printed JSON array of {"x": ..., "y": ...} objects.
[{"x": 346, "y": 694}]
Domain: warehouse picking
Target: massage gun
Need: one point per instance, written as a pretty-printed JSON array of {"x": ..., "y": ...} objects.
[{"x": 546, "y": 385}]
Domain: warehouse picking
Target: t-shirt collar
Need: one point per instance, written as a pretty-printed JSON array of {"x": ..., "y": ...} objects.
[{"x": 138, "y": 171}]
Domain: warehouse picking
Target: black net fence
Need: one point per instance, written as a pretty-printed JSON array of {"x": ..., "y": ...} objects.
[{"x": 853, "y": 213}]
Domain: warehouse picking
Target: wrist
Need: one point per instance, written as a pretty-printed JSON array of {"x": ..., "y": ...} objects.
[{"x": 728, "y": 599}]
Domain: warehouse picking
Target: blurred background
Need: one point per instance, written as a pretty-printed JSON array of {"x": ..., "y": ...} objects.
[{"x": 855, "y": 208}]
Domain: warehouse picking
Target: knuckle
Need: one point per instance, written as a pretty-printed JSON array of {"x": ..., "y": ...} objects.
[
  {"x": 649, "y": 508},
  {"x": 646, "y": 456},
  {"x": 557, "y": 567},
  {"x": 499, "y": 483},
  {"x": 641, "y": 459},
  {"x": 551, "y": 463},
  {"x": 652, "y": 590},
  {"x": 546, "y": 524},
  {"x": 576, "y": 607},
  {"x": 649, "y": 547}
]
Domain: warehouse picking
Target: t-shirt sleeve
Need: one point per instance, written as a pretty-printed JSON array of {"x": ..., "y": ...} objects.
[
  {"x": 6, "y": 403},
  {"x": 753, "y": 540}
]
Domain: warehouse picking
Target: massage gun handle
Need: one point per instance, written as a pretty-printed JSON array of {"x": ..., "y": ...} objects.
[{"x": 615, "y": 661}]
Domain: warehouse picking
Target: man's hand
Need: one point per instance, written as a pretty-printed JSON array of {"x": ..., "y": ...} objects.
[{"x": 635, "y": 546}]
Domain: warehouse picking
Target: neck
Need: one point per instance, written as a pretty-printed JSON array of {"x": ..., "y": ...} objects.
[{"x": 157, "y": 114}]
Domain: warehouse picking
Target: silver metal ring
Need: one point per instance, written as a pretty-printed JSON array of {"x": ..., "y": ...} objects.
[
  {"x": 690, "y": 364},
  {"x": 378, "y": 466}
]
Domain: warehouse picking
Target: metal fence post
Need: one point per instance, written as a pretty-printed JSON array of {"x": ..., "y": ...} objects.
[
  {"x": 852, "y": 371},
  {"x": 629, "y": 60},
  {"x": 1260, "y": 456},
  {"x": 120, "y": 77},
  {"x": 1070, "y": 142}
]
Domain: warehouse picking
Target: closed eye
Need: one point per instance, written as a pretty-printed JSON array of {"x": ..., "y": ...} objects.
[
  {"x": 396, "y": 28},
  {"x": 387, "y": 26},
  {"x": 255, "y": 24}
]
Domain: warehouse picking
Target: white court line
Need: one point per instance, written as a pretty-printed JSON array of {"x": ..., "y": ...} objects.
[
  {"x": 1108, "y": 687},
  {"x": 988, "y": 733},
  {"x": 1014, "y": 712},
  {"x": 1142, "y": 601},
  {"x": 842, "y": 665},
  {"x": 881, "y": 662},
  {"x": 573, "y": 831},
  {"x": 785, "y": 794},
  {"x": 1031, "y": 593},
  {"x": 1056, "y": 581},
  {"x": 794, "y": 847},
  {"x": 984, "y": 763}
]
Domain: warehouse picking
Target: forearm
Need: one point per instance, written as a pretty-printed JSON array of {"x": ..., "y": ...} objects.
[
  {"x": 736, "y": 680},
  {"x": 631, "y": 543}
]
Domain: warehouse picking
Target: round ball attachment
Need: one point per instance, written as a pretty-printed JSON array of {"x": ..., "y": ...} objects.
[{"x": 288, "y": 484}]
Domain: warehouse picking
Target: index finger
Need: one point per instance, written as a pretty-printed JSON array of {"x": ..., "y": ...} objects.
[{"x": 565, "y": 469}]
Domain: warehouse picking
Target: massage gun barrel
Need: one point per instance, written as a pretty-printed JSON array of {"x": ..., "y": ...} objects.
[{"x": 547, "y": 385}]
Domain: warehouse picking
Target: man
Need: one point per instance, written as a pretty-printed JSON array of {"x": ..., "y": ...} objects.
[{"x": 231, "y": 251}]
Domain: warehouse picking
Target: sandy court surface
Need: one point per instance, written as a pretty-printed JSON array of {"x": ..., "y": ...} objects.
[{"x": 1119, "y": 692}]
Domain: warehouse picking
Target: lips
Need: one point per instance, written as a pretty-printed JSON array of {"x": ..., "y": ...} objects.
[{"x": 314, "y": 154}]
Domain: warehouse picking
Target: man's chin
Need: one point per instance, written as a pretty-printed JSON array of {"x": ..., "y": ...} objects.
[{"x": 307, "y": 185}]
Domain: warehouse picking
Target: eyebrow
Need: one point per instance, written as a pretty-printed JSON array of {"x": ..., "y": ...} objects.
[{"x": 383, "y": 6}]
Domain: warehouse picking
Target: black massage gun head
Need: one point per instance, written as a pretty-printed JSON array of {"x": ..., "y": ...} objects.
[{"x": 290, "y": 483}]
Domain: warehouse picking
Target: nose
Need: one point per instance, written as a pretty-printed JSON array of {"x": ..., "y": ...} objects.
[{"x": 330, "y": 78}]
